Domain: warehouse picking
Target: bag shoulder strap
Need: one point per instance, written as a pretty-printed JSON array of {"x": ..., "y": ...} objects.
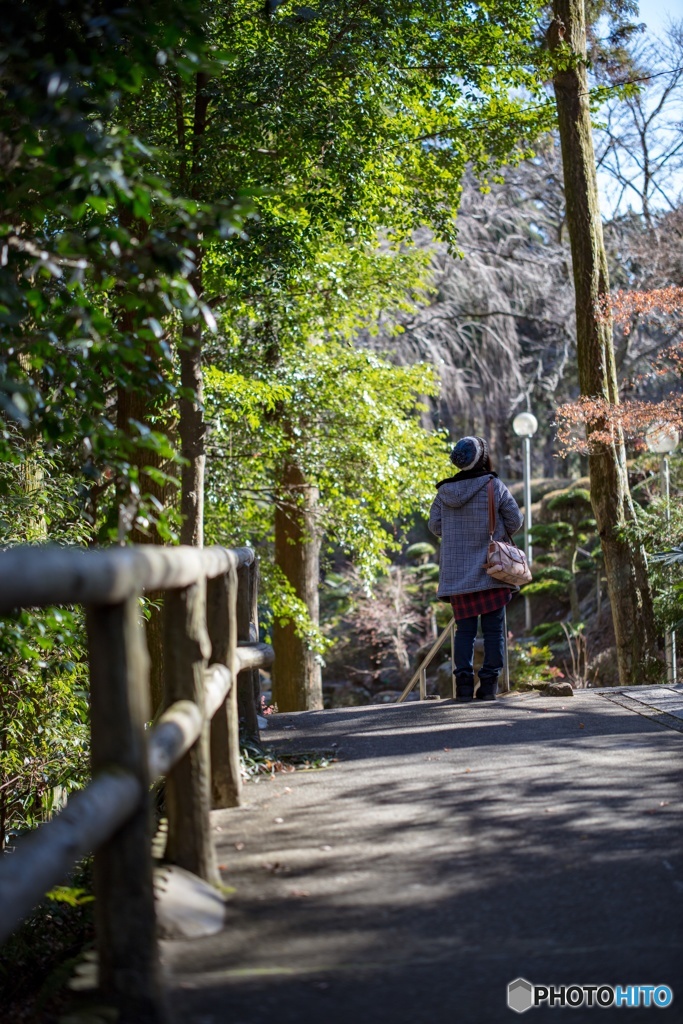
[{"x": 492, "y": 508}]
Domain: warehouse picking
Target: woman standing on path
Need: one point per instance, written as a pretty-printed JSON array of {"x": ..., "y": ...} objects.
[{"x": 459, "y": 515}]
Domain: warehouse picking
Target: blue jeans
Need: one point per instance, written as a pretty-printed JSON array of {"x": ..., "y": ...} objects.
[{"x": 492, "y": 626}]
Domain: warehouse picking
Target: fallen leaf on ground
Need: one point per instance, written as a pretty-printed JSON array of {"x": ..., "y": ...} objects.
[
  {"x": 299, "y": 894},
  {"x": 239, "y": 846}
]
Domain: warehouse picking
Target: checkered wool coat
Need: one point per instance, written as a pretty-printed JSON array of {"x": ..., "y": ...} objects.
[{"x": 459, "y": 516}]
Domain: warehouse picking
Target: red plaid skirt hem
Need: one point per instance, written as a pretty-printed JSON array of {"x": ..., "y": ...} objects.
[{"x": 479, "y": 602}]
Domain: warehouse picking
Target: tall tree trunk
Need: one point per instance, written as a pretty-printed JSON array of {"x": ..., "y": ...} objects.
[
  {"x": 32, "y": 476},
  {"x": 297, "y": 680},
  {"x": 192, "y": 427},
  {"x": 132, "y": 404},
  {"x": 192, "y": 430},
  {"x": 549, "y": 459},
  {"x": 574, "y": 590},
  {"x": 625, "y": 564},
  {"x": 402, "y": 656}
]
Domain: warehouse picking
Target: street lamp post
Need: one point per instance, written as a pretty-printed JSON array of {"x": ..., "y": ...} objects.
[
  {"x": 525, "y": 426},
  {"x": 663, "y": 440}
]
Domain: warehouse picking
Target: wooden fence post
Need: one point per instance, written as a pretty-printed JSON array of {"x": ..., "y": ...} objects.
[
  {"x": 124, "y": 894},
  {"x": 247, "y": 632},
  {"x": 188, "y": 787},
  {"x": 226, "y": 778}
]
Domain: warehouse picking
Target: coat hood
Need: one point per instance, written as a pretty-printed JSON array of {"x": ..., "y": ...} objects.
[{"x": 456, "y": 493}]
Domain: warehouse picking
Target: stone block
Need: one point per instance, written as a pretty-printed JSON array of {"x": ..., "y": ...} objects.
[{"x": 559, "y": 690}]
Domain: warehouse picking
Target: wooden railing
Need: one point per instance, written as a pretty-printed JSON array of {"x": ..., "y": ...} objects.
[{"x": 211, "y": 658}]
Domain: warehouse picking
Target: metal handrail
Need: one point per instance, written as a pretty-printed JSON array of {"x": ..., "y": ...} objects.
[{"x": 421, "y": 671}]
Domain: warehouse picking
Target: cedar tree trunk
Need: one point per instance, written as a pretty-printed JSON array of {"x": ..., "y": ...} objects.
[
  {"x": 192, "y": 430},
  {"x": 625, "y": 564},
  {"x": 297, "y": 680},
  {"x": 132, "y": 405}
]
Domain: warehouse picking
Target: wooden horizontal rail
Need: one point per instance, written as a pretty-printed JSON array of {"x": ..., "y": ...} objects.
[
  {"x": 33, "y": 575},
  {"x": 43, "y": 858},
  {"x": 93, "y": 814},
  {"x": 180, "y": 725},
  {"x": 217, "y": 683},
  {"x": 210, "y": 654},
  {"x": 172, "y": 736},
  {"x": 254, "y": 656}
]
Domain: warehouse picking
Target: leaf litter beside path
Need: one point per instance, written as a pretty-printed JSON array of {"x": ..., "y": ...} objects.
[{"x": 256, "y": 761}]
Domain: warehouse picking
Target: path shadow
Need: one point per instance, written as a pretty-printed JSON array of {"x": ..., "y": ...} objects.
[{"x": 433, "y": 877}]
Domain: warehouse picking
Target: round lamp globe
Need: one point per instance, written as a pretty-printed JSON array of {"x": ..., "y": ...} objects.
[
  {"x": 525, "y": 424},
  {"x": 662, "y": 438}
]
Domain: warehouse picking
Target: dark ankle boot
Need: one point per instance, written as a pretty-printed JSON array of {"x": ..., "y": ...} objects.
[
  {"x": 488, "y": 688},
  {"x": 464, "y": 687}
]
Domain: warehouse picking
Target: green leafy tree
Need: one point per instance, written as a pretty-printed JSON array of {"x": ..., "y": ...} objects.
[
  {"x": 568, "y": 530},
  {"x": 335, "y": 453},
  {"x": 94, "y": 257},
  {"x": 341, "y": 121},
  {"x": 96, "y": 248},
  {"x": 43, "y": 678},
  {"x": 43, "y": 716},
  {"x": 135, "y": 146},
  {"x": 663, "y": 529}
]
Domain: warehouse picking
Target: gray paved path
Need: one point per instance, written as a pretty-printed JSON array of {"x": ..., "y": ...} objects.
[{"x": 449, "y": 851}]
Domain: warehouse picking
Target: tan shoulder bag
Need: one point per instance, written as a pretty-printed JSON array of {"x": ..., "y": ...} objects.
[{"x": 505, "y": 562}]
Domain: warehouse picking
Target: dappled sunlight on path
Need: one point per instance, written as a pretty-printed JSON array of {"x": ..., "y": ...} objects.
[{"x": 450, "y": 850}]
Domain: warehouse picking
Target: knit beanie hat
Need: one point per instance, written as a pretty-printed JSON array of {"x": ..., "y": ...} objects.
[{"x": 469, "y": 452}]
